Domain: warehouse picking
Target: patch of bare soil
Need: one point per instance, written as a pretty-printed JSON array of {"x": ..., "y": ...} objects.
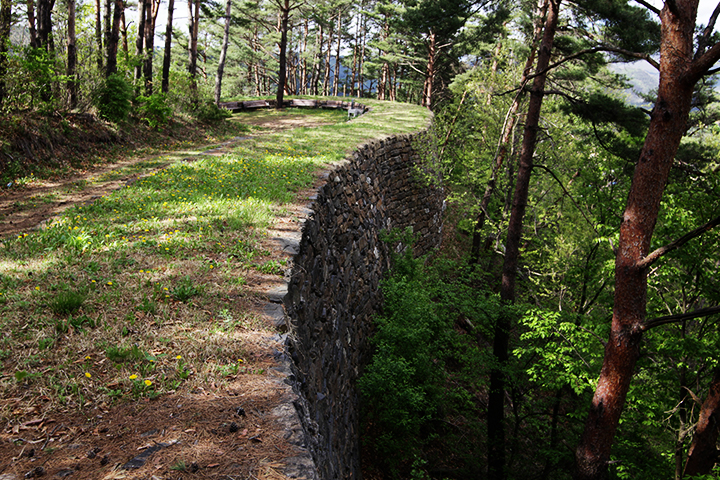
[{"x": 243, "y": 429}]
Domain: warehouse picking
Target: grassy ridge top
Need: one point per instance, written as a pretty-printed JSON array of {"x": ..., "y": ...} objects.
[{"x": 151, "y": 289}]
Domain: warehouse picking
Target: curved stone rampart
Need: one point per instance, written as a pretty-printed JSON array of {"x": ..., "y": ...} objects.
[{"x": 334, "y": 288}]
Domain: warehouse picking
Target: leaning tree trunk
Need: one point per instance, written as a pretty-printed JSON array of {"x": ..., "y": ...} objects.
[
  {"x": 508, "y": 128},
  {"x": 168, "y": 47},
  {"x": 703, "y": 452},
  {"x": 496, "y": 397},
  {"x": 678, "y": 76},
  {"x": 223, "y": 54}
]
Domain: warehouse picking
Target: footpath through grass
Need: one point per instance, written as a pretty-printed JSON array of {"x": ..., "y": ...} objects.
[{"x": 145, "y": 290}]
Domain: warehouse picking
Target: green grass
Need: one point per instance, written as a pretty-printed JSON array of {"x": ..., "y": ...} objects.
[{"x": 89, "y": 301}]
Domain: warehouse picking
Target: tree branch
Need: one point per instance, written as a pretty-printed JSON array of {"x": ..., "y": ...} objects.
[
  {"x": 705, "y": 37},
  {"x": 703, "y": 312},
  {"x": 701, "y": 66},
  {"x": 567, "y": 193},
  {"x": 654, "y": 256},
  {"x": 645, "y": 4},
  {"x": 601, "y": 48}
]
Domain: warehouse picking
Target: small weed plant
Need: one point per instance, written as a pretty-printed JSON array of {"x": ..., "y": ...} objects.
[{"x": 67, "y": 302}]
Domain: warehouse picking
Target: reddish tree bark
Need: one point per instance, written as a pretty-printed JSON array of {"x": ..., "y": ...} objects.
[
  {"x": 496, "y": 396},
  {"x": 5, "y": 20},
  {"x": 430, "y": 71},
  {"x": 31, "y": 23},
  {"x": 703, "y": 452},
  {"x": 678, "y": 75}
]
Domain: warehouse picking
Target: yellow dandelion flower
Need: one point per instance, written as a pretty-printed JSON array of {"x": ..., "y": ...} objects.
[
  {"x": 179, "y": 357},
  {"x": 87, "y": 374},
  {"x": 133, "y": 377},
  {"x": 148, "y": 383}
]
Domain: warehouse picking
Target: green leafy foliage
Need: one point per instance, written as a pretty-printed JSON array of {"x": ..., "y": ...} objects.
[
  {"x": 154, "y": 110},
  {"x": 114, "y": 99}
]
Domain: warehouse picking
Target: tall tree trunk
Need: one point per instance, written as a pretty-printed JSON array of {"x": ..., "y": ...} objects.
[
  {"x": 44, "y": 24},
  {"x": 508, "y": 128},
  {"x": 192, "y": 65},
  {"x": 71, "y": 56},
  {"x": 430, "y": 71},
  {"x": 123, "y": 32},
  {"x": 168, "y": 48},
  {"x": 318, "y": 60},
  {"x": 32, "y": 25},
  {"x": 98, "y": 36},
  {"x": 326, "y": 78},
  {"x": 302, "y": 88},
  {"x": 140, "y": 41},
  {"x": 223, "y": 53},
  {"x": 361, "y": 66},
  {"x": 114, "y": 38},
  {"x": 496, "y": 398},
  {"x": 382, "y": 82},
  {"x": 152, "y": 7},
  {"x": 678, "y": 76},
  {"x": 107, "y": 13},
  {"x": 354, "y": 67},
  {"x": 282, "y": 70},
  {"x": 336, "y": 77},
  {"x": 703, "y": 453},
  {"x": 5, "y": 20},
  {"x": 256, "y": 64}
]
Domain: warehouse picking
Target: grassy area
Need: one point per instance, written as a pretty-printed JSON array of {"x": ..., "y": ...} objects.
[{"x": 145, "y": 290}]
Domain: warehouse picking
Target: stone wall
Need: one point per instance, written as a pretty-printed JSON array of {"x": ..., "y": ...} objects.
[{"x": 334, "y": 290}]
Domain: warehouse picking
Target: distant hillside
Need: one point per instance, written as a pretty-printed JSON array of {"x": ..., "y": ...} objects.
[{"x": 643, "y": 78}]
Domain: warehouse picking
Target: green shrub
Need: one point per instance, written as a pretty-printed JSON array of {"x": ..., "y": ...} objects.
[
  {"x": 403, "y": 384},
  {"x": 114, "y": 101},
  {"x": 208, "y": 112},
  {"x": 154, "y": 110}
]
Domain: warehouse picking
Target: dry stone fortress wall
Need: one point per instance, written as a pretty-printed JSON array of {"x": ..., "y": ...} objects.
[{"x": 334, "y": 291}]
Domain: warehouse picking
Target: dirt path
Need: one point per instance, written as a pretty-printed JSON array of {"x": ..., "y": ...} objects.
[{"x": 245, "y": 429}]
